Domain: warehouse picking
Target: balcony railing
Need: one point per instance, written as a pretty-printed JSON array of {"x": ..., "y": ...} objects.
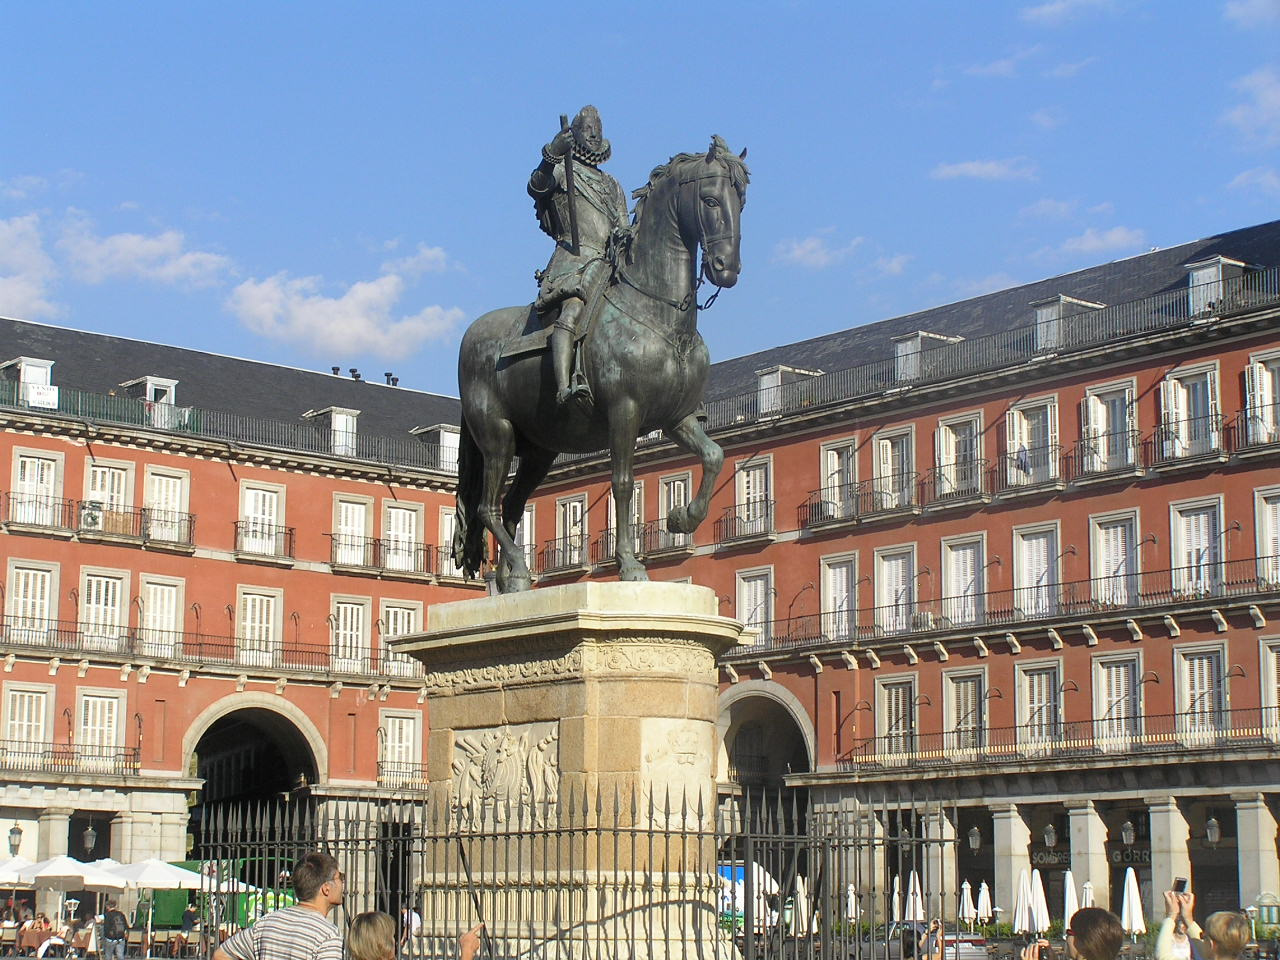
[
  {"x": 28, "y": 757},
  {"x": 386, "y": 556},
  {"x": 959, "y": 481},
  {"x": 1005, "y": 609},
  {"x": 69, "y": 637},
  {"x": 1106, "y": 453},
  {"x": 264, "y": 539},
  {"x": 445, "y": 565},
  {"x": 655, "y": 538},
  {"x": 30, "y": 510},
  {"x": 1177, "y": 440},
  {"x": 1010, "y": 347},
  {"x": 604, "y": 548},
  {"x": 96, "y": 518},
  {"x": 302, "y": 435},
  {"x": 889, "y": 494},
  {"x": 563, "y": 554},
  {"x": 1256, "y": 427},
  {"x": 1029, "y": 467},
  {"x": 745, "y": 521},
  {"x": 168, "y": 526},
  {"x": 401, "y": 775},
  {"x": 829, "y": 505},
  {"x": 1210, "y": 730},
  {"x": 89, "y": 518}
]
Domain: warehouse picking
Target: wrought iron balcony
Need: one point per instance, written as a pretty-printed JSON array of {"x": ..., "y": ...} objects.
[
  {"x": 958, "y": 482},
  {"x": 830, "y": 506},
  {"x": 1028, "y": 468},
  {"x": 1209, "y": 731},
  {"x": 1176, "y": 440},
  {"x": 445, "y": 565},
  {"x": 604, "y": 548},
  {"x": 744, "y": 522},
  {"x": 400, "y": 775},
  {"x": 385, "y": 556},
  {"x": 1104, "y": 455},
  {"x": 656, "y": 539},
  {"x": 1200, "y": 585},
  {"x": 94, "y": 518},
  {"x": 168, "y": 526},
  {"x": 264, "y": 539},
  {"x": 46, "y": 513},
  {"x": 1256, "y": 428},
  {"x": 563, "y": 555},
  {"x": 67, "y": 758}
]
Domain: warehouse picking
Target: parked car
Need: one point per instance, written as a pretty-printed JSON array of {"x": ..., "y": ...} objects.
[{"x": 900, "y": 941}]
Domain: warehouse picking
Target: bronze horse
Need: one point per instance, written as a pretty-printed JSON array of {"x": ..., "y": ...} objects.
[{"x": 642, "y": 354}]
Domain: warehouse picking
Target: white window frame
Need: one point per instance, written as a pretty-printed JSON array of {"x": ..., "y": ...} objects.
[
  {"x": 889, "y": 619},
  {"x": 394, "y": 555},
  {"x": 1206, "y": 578},
  {"x": 1109, "y": 736},
  {"x": 973, "y": 605},
  {"x": 1261, "y": 393},
  {"x": 1102, "y": 452},
  {"x": 892, "y": 490},
  {"x": 127, "y": 467},
  {"x": 839, "y": 620},
  {"x": 164, "y": 644},
  {"x": 836, "y": 487},
  {"x": 571, "y": 547},
  {"x": 344, "y": 658},
  {"x": 446, "y": 518},
  {"x": 171, "y": 529},
  {"x": 666, "y": 538},
  {"x": 1190, "y": 730},
  {"x": 405, "y": 777},
  {"x": 892, "y": 742},
  {"x": 955, "y": 741},
  {"x": 747, "y": 616},
  {"x": 47, "y": 514},
  {"x": 753, "y": 514},
  {"x": 1026, "y": 741},
  {"x": 1026, "y": 465},
  {"x": 260, "y": 655},
  {"x": 1268, "y": 562},
  {"x": 106, "y": 693},
  {"x": 12, "y": 617},
  {"x": 1181, "y": 434},
  {"x": 953, "y": 477},
  {"x": 1044, "y": 602},
  {"x": 1110, "y": 588},
  {"x": 47, "y": 690},
  {"x": 263, "y": 544},
  {"x": 350, "y": 550},
  {"x": 393, "y": 663},
  {"x": 118, "y": 634},
  {"x": 1269, "y": 679}
]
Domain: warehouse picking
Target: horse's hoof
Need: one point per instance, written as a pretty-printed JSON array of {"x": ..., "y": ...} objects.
[
  {"x": 678, "y": 520},
  {"x": 514, "y": 583}
]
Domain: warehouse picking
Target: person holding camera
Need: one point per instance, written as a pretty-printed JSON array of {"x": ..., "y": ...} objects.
[
  {"x": 1092, "y": 934},
  {"x": 931, "y": 941},
  {"x": 1224, "y": 936}
]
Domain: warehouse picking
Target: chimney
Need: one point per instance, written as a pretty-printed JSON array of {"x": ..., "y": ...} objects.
[
  {"x": 395, "y": 381},
  {"x": 336, "y": 370},
  {"x": 388, "y": 376},
  {"x": 355, "y": 374}
]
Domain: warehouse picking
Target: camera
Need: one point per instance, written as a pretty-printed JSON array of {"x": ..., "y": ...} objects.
[{"x": 1180, "y": 885}]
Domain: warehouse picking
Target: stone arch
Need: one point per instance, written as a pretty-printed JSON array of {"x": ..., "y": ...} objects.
[
  {"x": 263, "y": 702},
  {"x": 727, "y": 725}
]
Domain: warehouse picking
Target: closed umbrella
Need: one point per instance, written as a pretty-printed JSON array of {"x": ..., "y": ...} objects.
[
  {"x": 968, "y": 912},
  {"x": 985, "y": 913},
  {"x": 1086, "y": 894},
  {"x": 801, "y": 914},
  {"x": 1131, "y": 906},
  {"x": 915, "y": 900},
  {"x": 1022, "y": 904},
  {"x": 1039, "y": 906},
  {"x": 1069, "y": 903},
  {"x": 851, "y": 909},
  {"x": 895, "y": 912}
]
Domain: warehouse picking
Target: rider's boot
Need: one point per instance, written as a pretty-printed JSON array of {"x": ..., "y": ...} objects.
[{"x": 562, "y": 336}]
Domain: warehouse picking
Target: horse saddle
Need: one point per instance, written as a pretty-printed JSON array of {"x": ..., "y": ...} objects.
[{"x": 535, "y": 334}]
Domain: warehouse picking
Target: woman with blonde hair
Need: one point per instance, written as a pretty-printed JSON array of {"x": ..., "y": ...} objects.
[{"x": 372, "y": 936}]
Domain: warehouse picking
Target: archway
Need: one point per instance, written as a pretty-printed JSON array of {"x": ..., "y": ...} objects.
[{"x": 767, "y": 735}]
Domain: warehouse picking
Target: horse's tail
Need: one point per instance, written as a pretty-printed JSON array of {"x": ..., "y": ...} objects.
[{"x": 469, "y": 550}]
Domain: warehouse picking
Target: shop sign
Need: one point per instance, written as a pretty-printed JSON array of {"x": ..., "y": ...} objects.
[{"x": 1126, "y": 856}]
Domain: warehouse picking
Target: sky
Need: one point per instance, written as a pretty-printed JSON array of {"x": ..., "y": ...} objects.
[{"x": 323, "y": 184}]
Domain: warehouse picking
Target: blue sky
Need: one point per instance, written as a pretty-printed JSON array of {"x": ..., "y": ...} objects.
[{"x": 338, "y": 184}]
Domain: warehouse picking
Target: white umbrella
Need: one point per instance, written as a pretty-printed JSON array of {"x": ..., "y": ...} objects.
[
  {"x": 895, "y": 912},
  {"x": 158, "y": 875},
  {"x": 1131, "y": 905},
  {"x": 1069, "y": 903},
  {"x": 1086, "y": 894},
  {"x": 1022, "y": 904},
  {"x": 915, "y": 900},
  {"x": 802, "y": 919},
  {"x": 9, "y": 870},
  {"x": 968, "y": 912},
  {"x": 64, "y": 873},
  {"x": 984, "y": 902},
  {"x": 851, "y": 909},
  {"x": 1039, "y": 906}
]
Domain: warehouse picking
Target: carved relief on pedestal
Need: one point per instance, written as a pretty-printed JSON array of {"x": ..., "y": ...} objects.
[
  {"x": 515, "y": 670},
  {"x": 675, "y": 769},
  {"x": 508, "y": 773},
  {"x": 674, "y": 655}
]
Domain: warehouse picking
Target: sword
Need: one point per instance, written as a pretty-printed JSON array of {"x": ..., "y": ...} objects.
[{"x": 568, "y": 187}]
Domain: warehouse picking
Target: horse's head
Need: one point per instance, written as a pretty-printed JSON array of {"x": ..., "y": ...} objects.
[{"x": 713, "y": 190}]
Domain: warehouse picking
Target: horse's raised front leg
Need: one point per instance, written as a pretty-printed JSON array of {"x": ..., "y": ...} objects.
[
  {"x": 624, "y": 427},
  {"x": 688, "y": 434}
]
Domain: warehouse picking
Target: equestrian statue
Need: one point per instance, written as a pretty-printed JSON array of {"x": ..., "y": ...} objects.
[{"x": 610, "y": 348}]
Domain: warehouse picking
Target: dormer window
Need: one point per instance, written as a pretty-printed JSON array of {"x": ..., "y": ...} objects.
[
  {"x": 441, "y": 440},
  {"x": 909, "y": 350},
  {"x": 342, "y": 424},
  {"x": 158, "y": 394},
  {"x": 1049, "y": 315},
  {"x": 35, "y": 380},
  {"x": 1208, "y": 281},
  {"x": 771, "y": 381}
]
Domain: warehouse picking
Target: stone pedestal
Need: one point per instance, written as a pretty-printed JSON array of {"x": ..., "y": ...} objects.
[{"x": 584, "y": 714}]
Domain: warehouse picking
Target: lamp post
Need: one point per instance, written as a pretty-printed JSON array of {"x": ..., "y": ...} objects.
[
  {"x": 1050, "y": 836},
  {"x": 15, "y": 839},
  {"x": 1127, "y": 833},
  {"x": 975, "y": 839},
  {"x": 1212, "y": 831},
  {"x": 90, "y": 838}
]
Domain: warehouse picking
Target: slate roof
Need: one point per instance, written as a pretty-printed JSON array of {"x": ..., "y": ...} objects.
[
  {"x": 99, "y": 363},
  {"x": 1133, "y": 278}
]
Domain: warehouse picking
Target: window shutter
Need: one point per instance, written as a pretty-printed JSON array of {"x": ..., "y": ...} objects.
[
  {"x": 964, "y": 568},
  {"x": 98, "y": 716},
  {"x": 29, "y": 602},
  {"x": 257, "y": 621},
  {"x": 840, "y": 602},
  {"x": 1173, "y": 412},
  {"x": 1092, "y": 417},
  {"x": 100, "y": 606},
  {"x": 25, "y": 714},
  {"x": 348, "y": 630},
  {"x": 1269, "y": 545},
  {"x": 35, "y": 476},
  {"x": 1259, "y": 403},
  {"x": 753, "y": 597},
  {"x": 164, "y": 504},
  {"x": 1119, "y": 717},
  {"x": 1202, "y": 690},
  {"x": 1017, "y": 457},
  {"x": 106, "y": 485},
  {"x": 1130, "y": 425},
  {"x": 1214, "y": 427},
  {"x": 966, "y": 712},
  {"x": 1040, "y": 703},
  {"x": 161, "y": 621},
  {"x": 884, "y": 462},
  {"x": 1035, "y": 573},
  {"x": 896, "y": 599},
  {"x": 899, "y": 716},
  {"x": 401, "y": 734}
]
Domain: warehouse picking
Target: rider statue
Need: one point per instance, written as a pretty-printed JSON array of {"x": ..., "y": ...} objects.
[{"x": 579, "y": 206}]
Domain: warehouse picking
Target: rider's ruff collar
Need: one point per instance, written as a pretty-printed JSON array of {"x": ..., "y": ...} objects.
[{"x": 592, "y": 157}]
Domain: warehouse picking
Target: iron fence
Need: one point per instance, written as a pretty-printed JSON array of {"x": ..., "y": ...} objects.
[
  {"x": 745, "y": 521},
  {"x": 48, "y": 757},
  {"x": 607, "y": 874},
  {"x": 388, "y": 556},
  {"x": 563, "y": 554},
  {"x": 264, "y": 539}
]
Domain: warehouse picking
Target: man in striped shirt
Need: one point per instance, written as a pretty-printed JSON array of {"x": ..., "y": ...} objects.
[{"x": 300, "y": 932}]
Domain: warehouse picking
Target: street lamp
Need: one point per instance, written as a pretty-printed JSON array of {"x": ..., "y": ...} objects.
[
  {"x": 1127, "y": 833},
  {"x": 1212, "y": 831},
  {"x": 90, "y": 838},
  {"x": 15, "y": 839},
  {"x": 975, "y": 839},
  {"x": 1050, "y": 836}
]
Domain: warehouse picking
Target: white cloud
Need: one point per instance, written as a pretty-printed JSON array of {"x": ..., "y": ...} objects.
[
  {"x": 893, "y": 266},
  {"x": 1017, "y": 168},
  {"x": 1054, "y": 13},
  {"x": 1262, "y": 179},
  {"x": 1104, "y": 241},
  {"x": 1259, "y": 117},
  {"x": 814, "y": 252},
  {"x": 1004, "y": 67},
  {"x": 26, "y": 270},
  {"x": 1251, "y": 13},
  {"x": 1064, "y": 71},
  {"x": 361, "y": 320},
  {"x": 1047, "y": 118},
  {"x": 1048, "y": 209},
  {"x": 1105, "y": 207},
  {"x": 424, "y": 260},
  {"x": 161, "y": 257},
  {"x": 19, "y": 188}
]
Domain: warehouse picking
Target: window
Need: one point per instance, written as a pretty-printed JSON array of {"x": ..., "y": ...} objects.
[
  {"x": 966, "y": 711},
  {"x": 964, "y": 574},
  {"x": 350, "y": 621},
  {"x": 675, "y": 493},
  {"x": 402, "y": 550},
  {"x": 352, "y": 546},
  {"x": 769, "y": 389},
  {"x": 1116, "y": 704},
  {"x": 26, "y": 716},
  {"x": 1108, "y": 435},
  {"x": 754, "y": 505},
  {"x": 1267, "y": 521},
  {"x": 36, "y": 379},
  {"x": 571, "y": 531},
  {"x": 399, "y": 619},
  {"x": 957, "y": 455},
  {"x": 755, "y": 599},
  {"x": 161, "y": 618},
  {"x": 1201, "y": 692},
  {"x": 107, "y": 499},
  {"x": 1190, "y": 425},
  {"x": 1035, "y": 571},
  {"x": 259, "y": 641},
  {"x": 448, "y": 525},
  {"x": 165, "y": 500},
  {"x": 897, "y": 716},
  {"x": 1039, "y": 709},
  {"x": 906, "y": 357},
  {"x": 102, "y": 611},
  {"x": 1031, "y": 443},
  {"x": 1197, "y": 545},
  {"x": 524, "y": 536},
  {"x": 894, "y": 472},
  {"x": 98, "y": 730},
  {"x": 1262, "y": 401},
  {"x": 31, "y": 601},
  {"x": 342, "y": 432},
  {"x": 34, "y": 499},
  {"x": 895, "y": 590},
  {"x": 261, "y": 511},
  {"x": 1208, "y": 282},
  {"x": 401, "y": 749},
  {"x": 1115, "y": 566},
  {"x": 839, "y": 597},
  {"x": 1271, "y": 689},
  {"x": 158, "y": 396}
]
